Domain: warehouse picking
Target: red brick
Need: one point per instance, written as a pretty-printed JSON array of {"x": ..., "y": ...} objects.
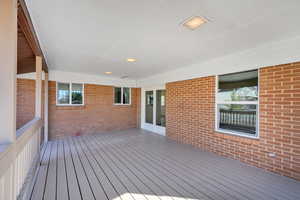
[
  {"x": 25, "y": 101},
  {"x": 96, "y": 116},
  {"x": 278, "y": 125}
]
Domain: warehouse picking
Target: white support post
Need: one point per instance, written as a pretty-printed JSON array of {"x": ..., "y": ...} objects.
[
  {"x": 46, "y": 109},
  {"x": 38, "y": 92},
  {"x": 38, "y": 87},
  {"x": 8, "y": 68}
]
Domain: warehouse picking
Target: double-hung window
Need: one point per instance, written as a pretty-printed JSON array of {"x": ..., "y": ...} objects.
[
  {"x": 69, "y": 94},
  {"x": 237, "y": 104},
  {"x": 122, "y": 96}
]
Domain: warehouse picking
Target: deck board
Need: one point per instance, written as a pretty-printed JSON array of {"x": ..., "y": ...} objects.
[
  {"x": 125, "y": 176},
  {"x": 115, "y": 181},
  {"x": 169, "y": 165},
  {"x": 190, "y": 187},
  {"x": 95, "y": 185},
  {"x": 153, "y": 187},
  {"x": 121, "y": 184},
  {"x": 175, "y": 187},
  {"x": 62, "y": 184},
  {"x": 235, "y": 175},
  {"x": 84, "y": 183},
  {"x": 73, "y": 186},
  {"x": 129, "y": 175},
  {"x": 39, "y": 185},
  {"x": 106, "y": 184},
  {"x": 50, "y": 186},
  {"x": 139, "y": 165}
]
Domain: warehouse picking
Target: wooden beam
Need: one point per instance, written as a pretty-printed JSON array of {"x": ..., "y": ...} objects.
[
  {"x": 26, "y": 26},
  {"x": 26, "y": 65},
  {"x": 28, "y": 31}
]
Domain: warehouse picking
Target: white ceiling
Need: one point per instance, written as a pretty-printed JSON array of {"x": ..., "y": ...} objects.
[{"x": 95, "y": 36}]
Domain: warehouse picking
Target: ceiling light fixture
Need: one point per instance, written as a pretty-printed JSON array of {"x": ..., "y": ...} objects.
[
  {"x": 194, "y": 22},
  {"x": 131, "y": 59},
  {"x": 108, "y": 72}
]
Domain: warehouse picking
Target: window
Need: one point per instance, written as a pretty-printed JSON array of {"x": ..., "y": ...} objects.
[
  {"x": 237, "y": 104},
  {"x": 69, "y": 94},
  {"x": 122, "y": 96},
  {"x": 118, "y": 95}
]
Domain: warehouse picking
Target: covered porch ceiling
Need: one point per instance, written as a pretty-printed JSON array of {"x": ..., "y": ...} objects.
[{"x": 98, "y": 36}]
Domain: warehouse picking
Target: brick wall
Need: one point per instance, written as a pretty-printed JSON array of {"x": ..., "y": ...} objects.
[
  {"x": 97, "y": 115},
  {"x": 25, "y": 101},
  {"x": 191, "y": 120}
]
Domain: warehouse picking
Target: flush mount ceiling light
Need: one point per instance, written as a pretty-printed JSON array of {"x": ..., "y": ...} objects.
[
  {"x": 131, "y": 59},
  {"x": 194, "y": 22},
  {"x": 108, "y": 72}
]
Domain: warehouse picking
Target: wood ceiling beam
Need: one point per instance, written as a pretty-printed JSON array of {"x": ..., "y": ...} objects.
[{"x": 26, "y": 27}]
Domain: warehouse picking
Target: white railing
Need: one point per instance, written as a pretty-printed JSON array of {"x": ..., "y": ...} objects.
[{"x": 18, "y": 161}]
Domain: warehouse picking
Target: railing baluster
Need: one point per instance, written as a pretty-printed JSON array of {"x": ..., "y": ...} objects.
[{"x": 239, "y": 120}]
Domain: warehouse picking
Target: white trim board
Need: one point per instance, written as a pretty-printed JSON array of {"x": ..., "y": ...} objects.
[
  {"x": 62, "y": 76},
  {"x": 276, "y": 53}
]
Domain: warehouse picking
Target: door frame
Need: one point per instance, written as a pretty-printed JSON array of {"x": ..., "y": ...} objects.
[{"x": 151, "y": 127}]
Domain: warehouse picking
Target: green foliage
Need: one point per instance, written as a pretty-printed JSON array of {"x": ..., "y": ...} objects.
[{"x": 77, "y": 98}]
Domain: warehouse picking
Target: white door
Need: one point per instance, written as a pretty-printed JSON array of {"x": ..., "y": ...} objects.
[{"x": 154, "y": 110}]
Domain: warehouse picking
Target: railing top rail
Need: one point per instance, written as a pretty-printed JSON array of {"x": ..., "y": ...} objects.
[
  {"x": 28, "y": 127},
  {"x": 238, "y": 111}
]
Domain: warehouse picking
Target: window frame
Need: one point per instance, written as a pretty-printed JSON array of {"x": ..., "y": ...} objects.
[
  {"x": 122, "y": 103},
  {"x": 70, "y": 94},
  {"x": 217, "y": 113}
]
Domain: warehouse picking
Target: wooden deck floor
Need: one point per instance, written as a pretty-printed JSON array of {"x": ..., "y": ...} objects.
[{"x": 135, "y": 164}]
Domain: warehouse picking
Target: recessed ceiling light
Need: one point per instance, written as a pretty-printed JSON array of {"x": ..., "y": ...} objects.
[
  {"x": 194, "y": 22},
  {"x": 108, "y": 72},
  {"x": 131, "y": 59}
]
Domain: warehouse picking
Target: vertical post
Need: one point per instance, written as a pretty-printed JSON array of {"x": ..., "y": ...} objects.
[
  {"x": 38, "y": 93},
  {"x": 38, "y": 87},
  {"x": 8, "y": 66},
  {"x": 46, "y": 109}
]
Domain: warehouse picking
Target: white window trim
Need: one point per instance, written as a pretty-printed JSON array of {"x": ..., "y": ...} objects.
[
  {"x": 122, "y": 103},
  {"x": 217, "y": 116},
  {"x": 70, "y": 94}
]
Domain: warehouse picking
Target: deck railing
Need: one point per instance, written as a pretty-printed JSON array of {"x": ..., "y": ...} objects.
[
  {"x": 238, "y": 120},
  {"x": 18, "y": 161}
]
